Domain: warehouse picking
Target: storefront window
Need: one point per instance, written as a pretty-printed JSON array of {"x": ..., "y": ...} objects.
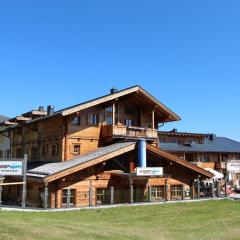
[
  {"x": 103, "y": 196},
  {"x": 176, "y": 191},
  {"x": 157, "y": 193},
  {"x": 68, "y": 197}
]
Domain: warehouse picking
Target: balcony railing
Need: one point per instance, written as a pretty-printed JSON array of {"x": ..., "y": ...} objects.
[{"x": 121, "y": 131}]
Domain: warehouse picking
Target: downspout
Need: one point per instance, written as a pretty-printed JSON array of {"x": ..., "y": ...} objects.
[{"x": 142, "y": 153}]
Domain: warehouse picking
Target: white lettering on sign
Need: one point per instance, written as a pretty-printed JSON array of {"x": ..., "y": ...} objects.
[
  {"x": 11, "y": 168},
  {"x": 150, "y": 171}
]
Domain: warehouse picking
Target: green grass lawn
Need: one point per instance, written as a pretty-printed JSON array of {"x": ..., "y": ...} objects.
[{"x": 200, "y": 220}]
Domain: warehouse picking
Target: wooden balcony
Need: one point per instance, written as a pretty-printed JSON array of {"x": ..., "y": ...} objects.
[{"x": 121, "y": 131}]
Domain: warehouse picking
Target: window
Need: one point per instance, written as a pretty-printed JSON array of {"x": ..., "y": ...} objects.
[
  {"x": 1, "y": 153},
  {"x": 76, "y": 120},
  {"x": 130, "y": 110},
  {"x": 103, "y": 196},
  {"x": 176, "y": 191},
  {"x": 34, "y": 153},
  {"x": 54, "y": 149},
  {"x": 45, "y": 150},
  {"x": 18, "y": 153},
  {"x": 157, "y": 192},
  {"x": 93, "y": 119},
  {"x": 129, "y": 122},
  {"x": 109, "y": 120},
  {"x": 149, "y": 125},
  {"x": 76, "y": 149},
  {"x": 109, "y": 110},
  {"x": 68, "y": 197},
  {"x": 7, "y": 153}
]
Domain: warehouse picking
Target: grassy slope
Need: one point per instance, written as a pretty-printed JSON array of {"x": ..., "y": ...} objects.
[{"x": 202, "y": 220}]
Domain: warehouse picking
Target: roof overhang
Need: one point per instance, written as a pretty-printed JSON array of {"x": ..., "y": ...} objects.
[
  {"x": 159, "y": 153},
  {"x": 61, "y": 174},
  {"x": 170, "y": 115},
  {"x": 184, "y": 163}
]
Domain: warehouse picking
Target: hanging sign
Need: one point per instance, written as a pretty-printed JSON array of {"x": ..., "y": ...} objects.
[
  {"x": 150, "y": 171},
  {"x": 11, "y": 168},
  {"x": 233, "y": 167}
]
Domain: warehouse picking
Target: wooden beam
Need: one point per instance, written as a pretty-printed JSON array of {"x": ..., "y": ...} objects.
[
  {"x": 13, "y": 183},
  {"x": 113, "y": 113},
  {"x": 153, "y": 119},
  {"x": 21, "y": 118}
]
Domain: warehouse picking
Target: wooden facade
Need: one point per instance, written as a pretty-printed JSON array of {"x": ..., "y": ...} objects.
[{"x": 66, "y": 135}]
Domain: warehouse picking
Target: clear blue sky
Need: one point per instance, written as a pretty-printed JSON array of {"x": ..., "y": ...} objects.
[{"x": 186, "y": 53}]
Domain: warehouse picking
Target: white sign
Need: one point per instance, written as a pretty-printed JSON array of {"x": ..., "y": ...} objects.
[
  {"x": 233, "y": 167},
  {"x": 11, "y": 168},
  {"x": 150, "y": 171}
]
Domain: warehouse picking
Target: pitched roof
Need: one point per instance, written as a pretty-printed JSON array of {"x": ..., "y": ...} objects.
[
  {"x": 52, "y": 171},
  {"x": 179, "y": 161},
  {"x": 69, "y": 110},
  {"x": 218, "y": 144},
  {"x": 54, "y": 168}
]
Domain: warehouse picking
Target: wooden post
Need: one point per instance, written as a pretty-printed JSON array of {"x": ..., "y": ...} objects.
[
  {"x": 113, "y": 113},
  {"x": 212, "y": 185},
  {"x": 68, "y": 197},
  {"x": 45, "y": 204},
  {"x": 218, "y": 189},
  {"x": 198, "y": 188},
  {"x": 90, "y": 194},
  {"x": 166, "y": 190},
  {"x": 0, "y": 196},
  {"x": 24, "y": 186},
  {"x": 112, "y": 195},
  {"x": 153, "y": 119},
  {"x": 131, "y": 194},
  {"x": 149, "y": 193},
  {"x": 1, "y": 181},
  {"x": 192, "y": 191},
  {"x": 226, "y": 186},
  {"x": 131, "y": 191},
  {"x": 118, "y": 114},
  {"x": 183, "y": 192}
]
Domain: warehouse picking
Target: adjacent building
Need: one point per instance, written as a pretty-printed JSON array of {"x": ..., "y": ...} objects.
[
  {"x": 4, "y": 141},
  {"x": 206, "y": 151}
]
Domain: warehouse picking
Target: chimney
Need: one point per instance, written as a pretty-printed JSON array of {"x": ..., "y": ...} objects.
[
  {"x": 212, "y": 136},
  {"x": 113, "y": 90},
  {"x": 41, "y": 108},
  {"x": 50, "y": 110}
]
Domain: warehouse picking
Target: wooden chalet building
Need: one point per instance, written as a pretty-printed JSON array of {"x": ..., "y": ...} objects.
[{"x": 87, "y": 154}]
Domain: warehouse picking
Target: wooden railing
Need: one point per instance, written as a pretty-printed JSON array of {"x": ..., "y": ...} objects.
[{"x": 127, "y": 131}]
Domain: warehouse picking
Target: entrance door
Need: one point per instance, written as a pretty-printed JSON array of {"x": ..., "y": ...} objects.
[{"x": 68, "y": 197}]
